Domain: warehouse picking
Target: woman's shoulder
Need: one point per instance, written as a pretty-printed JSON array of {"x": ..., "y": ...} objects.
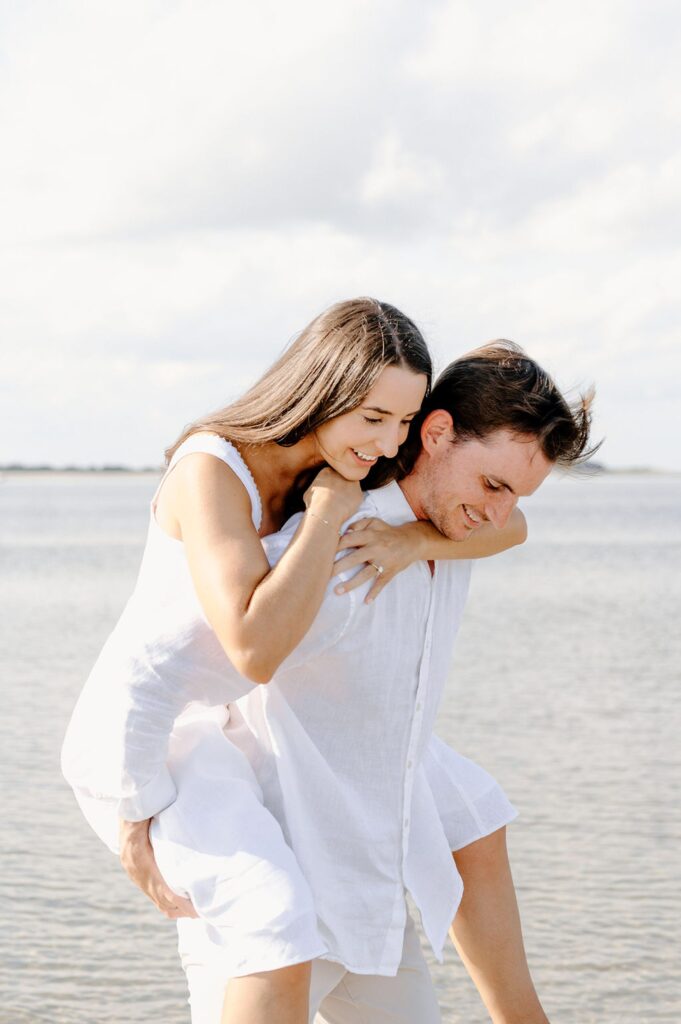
[
  {"x": 209, "y": 443},
  {"x": 206, "y": 443}
]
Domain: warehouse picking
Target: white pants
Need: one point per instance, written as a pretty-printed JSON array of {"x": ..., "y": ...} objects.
[{"x": 336, "y": 996}]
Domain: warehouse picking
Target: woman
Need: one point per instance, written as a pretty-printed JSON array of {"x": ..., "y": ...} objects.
[{"x": 341, "y": 397}]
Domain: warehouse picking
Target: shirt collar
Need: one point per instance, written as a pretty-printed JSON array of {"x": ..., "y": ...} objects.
[{"x": 391, "y": 504}]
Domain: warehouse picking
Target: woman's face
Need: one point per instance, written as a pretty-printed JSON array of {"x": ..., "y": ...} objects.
[{"x": 352, "y": 443}]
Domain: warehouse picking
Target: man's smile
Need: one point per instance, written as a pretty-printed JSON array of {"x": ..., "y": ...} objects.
[{"x": 472, "y": 517}]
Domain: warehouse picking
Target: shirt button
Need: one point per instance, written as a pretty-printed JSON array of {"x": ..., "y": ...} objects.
[
  {"x": 406, "y": 822},
  {"x": 410, "y": 764},
  {"x": 418, "y": 705}
]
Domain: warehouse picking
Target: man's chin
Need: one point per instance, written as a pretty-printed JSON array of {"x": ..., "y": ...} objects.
[{"x": 452, "y": 531}]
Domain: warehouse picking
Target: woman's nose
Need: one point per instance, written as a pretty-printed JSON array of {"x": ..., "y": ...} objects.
[{"x": 389, "y": 441}]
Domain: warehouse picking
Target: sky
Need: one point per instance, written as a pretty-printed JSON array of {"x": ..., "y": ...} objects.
[{"x": 183, "y": 186}]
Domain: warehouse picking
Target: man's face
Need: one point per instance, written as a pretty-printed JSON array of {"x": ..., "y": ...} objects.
[{"x": 459, "y": 486}]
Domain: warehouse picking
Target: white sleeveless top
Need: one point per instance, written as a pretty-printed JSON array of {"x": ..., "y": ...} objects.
[{"x": 162, "y": 656}]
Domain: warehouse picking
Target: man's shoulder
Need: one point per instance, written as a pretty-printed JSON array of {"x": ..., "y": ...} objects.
[
  {"x": 367, "y": 509},
  {"x": 276, "y": 543},
  {"x": 387, "y": 503}
]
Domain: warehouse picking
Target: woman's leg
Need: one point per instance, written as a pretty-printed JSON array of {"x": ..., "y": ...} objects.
[
  {"x": 247, "y": 954},
  {"x": 282, "y": 996},
  {"x": 488, "y": 936}
]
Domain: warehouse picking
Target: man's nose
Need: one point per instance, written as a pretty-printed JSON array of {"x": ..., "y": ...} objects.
[{"x": 499, "y": 508}]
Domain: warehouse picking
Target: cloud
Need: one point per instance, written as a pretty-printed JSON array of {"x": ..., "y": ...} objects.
[
  {"x": 185, "y": 186},
  {"x": 145, "y": 117}
]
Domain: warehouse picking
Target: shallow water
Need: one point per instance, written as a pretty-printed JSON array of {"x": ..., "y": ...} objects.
[{"x": 564, "y": 686}]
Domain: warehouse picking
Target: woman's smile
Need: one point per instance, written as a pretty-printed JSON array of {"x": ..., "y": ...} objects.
[{"x": 362, "y": 457}]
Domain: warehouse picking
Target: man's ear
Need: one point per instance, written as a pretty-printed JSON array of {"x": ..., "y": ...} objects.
[{"x": 437, "y": 430}]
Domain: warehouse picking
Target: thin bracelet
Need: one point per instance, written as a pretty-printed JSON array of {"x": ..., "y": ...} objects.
[{"x": 315, "y": 516}]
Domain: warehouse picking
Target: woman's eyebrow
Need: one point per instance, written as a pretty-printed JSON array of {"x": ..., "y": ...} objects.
[{"x": 385, "y": 412}]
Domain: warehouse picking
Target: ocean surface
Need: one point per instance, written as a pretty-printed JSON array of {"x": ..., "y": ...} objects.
[{"x": 566, "y": 685}]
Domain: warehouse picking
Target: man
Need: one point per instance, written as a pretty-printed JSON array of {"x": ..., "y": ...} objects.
[{"x": 338, "y": 737}]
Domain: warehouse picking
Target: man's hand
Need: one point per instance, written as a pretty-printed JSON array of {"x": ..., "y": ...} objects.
[{"x": 137, "y": 857}]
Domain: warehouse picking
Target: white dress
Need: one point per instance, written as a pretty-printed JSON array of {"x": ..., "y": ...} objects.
[
  {"x": 161, "y": 657},
  {"x": 129, "y": 752},
  {"x": 146, "y": 740}
]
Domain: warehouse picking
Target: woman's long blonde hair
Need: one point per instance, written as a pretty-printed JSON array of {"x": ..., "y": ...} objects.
[{"x": 327, "y": 371}]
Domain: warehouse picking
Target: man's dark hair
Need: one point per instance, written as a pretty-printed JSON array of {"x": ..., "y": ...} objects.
[{"x": 498, "y": 387}]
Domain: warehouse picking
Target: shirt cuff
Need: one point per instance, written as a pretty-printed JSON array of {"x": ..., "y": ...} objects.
[{"x": 152, "y": 798}]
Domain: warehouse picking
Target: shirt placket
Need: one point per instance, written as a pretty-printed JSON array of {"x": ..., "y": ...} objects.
[{"x": 417, "y": 720}]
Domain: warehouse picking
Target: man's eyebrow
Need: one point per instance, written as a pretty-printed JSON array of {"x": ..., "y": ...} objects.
[{"x": 385, "y": 412}]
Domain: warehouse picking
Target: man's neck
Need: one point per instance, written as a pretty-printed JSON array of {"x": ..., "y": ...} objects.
[{"x": 410, "y": 491}]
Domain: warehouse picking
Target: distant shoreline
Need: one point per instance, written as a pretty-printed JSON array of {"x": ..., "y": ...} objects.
[
  {"x": 14, "y": 470},
  {"x": 20, "y": 470}
]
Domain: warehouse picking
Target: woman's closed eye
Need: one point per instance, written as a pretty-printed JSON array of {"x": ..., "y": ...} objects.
[{"x": 492, "y": 487}]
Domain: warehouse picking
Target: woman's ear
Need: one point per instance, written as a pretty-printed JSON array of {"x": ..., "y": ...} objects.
[{"x": 437, "y": 429}]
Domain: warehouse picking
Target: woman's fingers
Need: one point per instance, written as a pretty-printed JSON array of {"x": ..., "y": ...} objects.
[
  {"x": 362, "y": 547},
  {"x": 371, "y": 546},
  {"x": 351, "y": 561},
  {"x": 359, "y": 547},
  {"x": 379, "y": 582},
  {"x": 369, "y": 572},
  {"x": 350, "y": 538}
]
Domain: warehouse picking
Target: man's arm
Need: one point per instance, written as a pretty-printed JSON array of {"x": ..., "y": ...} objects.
[{"x": 375, "y": 543}]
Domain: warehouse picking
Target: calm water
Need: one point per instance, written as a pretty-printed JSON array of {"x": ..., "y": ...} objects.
[{"x": 565, "y": 686}]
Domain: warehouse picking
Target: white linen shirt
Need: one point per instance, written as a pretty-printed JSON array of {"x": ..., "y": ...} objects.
[{"x": 340, "y": 732}]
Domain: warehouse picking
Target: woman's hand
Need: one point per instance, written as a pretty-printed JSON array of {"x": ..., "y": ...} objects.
[
  {"x": 333, "y": 498},
  {"x": 375, "y": 544},
  {"x": 395, "y": 547},
  {"x": 137, "y": 857},
  {"x": 259, "y": 612}
]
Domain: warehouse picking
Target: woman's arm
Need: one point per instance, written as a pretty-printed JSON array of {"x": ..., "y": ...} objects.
[
  {"x": 259, "y": 614},
  {"x": 481, "y": 543},
  {"x": 396, "y": 547}
]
